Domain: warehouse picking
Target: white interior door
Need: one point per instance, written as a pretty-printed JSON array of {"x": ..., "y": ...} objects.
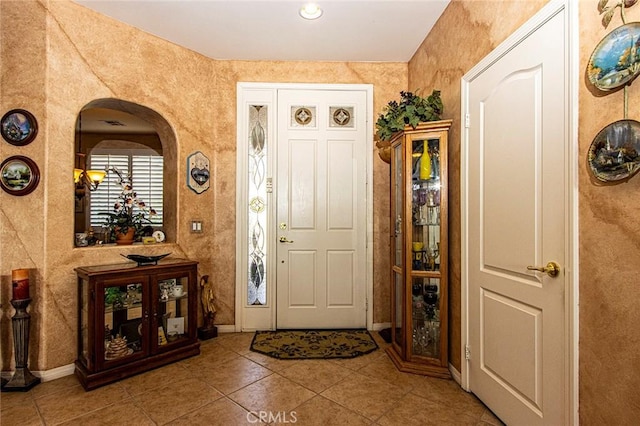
[
  {"x": 516, "y": 216},
  {"x": 321, "y": 209}
]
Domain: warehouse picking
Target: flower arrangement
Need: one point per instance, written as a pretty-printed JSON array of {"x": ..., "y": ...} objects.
[{"x": 123, "y": 216}]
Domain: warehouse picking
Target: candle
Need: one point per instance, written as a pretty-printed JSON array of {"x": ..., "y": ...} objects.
[{"x": 20, "y": 283}]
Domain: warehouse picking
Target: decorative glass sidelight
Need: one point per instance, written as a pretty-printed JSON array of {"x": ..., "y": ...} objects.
[{"x": 257, "y": 211}]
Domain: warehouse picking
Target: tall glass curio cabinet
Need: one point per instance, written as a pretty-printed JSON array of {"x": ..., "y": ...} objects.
[{"x": 419, "y": 248}]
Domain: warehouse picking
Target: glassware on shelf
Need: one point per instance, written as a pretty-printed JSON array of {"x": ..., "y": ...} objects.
[
  {"x": 435, "y": 331},
  {"x": 435, "y": 162},
  {"x": 430, "y": 300},
  {"x": 433, "y": 197},
  {"x": 433, "y": 346},
  {"x": 424, "y": 339},
  {"x": 420, "y": 200},
  {"x": 416, "y": 291},
  {"x": 418, "y": 318},
  {"x": 433, "y": 216},
  {"x": 433, "y": 205}
]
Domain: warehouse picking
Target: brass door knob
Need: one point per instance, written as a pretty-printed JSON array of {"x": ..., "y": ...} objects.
[
  {"x": 284, "y": 239},
  {"x": 552, "y": 269}
]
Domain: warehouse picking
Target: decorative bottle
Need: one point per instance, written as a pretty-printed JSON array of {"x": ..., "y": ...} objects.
[{"x": 425, "y": 163}]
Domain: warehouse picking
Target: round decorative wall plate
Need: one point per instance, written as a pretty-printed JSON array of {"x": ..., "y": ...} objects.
[
  {"x": 614, "y": 154},
  {"x": 19, "y": 127},
  {"x": 19, "y": 175},
  {"x": 616, "y": 59}
]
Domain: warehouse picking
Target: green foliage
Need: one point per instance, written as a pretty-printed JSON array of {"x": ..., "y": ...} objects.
[
  {"x": 411, "y": 110},
  {"x": 122, "y": 221},
  {"x": 112, "y": 295}
]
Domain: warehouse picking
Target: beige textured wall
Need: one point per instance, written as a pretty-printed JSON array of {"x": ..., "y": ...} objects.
[
  {"x": 609, "y": 224},
  {"x": 609, "y": 252},
  {"x": 58, "y": 56},
  {"x": 22, "y": 47}
]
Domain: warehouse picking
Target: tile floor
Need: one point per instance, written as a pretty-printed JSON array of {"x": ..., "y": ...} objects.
[{"x": 229, "y": 385}]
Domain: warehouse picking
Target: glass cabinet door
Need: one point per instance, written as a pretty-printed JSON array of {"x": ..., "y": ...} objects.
[
  {"x": 124, "y": 319},
  {"x": 425, "y": 314},
  {"x": 172, "y": 311},
  {"x": 425, "y": 205},
  {"x": 397, "y": 211},
  {"x": 425, "y": 246},
  {"x": 398, "y": 206},
  {"x": 84, "y": 338}
]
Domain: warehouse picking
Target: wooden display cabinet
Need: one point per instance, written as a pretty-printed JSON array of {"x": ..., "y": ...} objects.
[
  {"x": 134, "y": 318},
  {"x": 419, "y": 249}
]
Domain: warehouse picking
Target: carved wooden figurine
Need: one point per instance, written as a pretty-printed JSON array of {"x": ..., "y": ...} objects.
[{"x": 208, "y": 309}]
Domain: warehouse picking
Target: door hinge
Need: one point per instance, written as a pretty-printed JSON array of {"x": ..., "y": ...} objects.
[
  {"x": 269, "y": 185},
  {"x": 366, "y": 305},
  {"x": 467, "y": 121},
  {"x": 467, "y": 352}
]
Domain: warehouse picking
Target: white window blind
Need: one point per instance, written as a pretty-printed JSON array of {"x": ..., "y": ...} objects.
[
  {"x": 147, "y": 182},
  {"x": 146, "y": 173}
]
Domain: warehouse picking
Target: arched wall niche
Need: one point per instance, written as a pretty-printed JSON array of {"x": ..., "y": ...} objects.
[{"x": 158, "y": 135}]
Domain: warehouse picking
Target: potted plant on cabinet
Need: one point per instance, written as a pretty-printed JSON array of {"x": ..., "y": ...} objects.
[
  {"x": 124, "y": 222},
  {"x": 411, "y": 110}
]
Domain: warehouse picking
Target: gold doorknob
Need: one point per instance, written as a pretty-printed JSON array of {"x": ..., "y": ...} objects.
[
  {"x": 284, "y": 239},
  {"x": 552, "y": 269}
]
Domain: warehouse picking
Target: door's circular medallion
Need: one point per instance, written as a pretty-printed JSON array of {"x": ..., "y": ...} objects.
[{"x": 303, "y": 116}]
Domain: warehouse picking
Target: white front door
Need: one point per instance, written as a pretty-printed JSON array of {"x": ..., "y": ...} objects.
[
  {"x": 321, "y": 209},
  {"x": 516, "y": 198}
]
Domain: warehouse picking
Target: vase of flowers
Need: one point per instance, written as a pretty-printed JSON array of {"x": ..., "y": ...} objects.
[{"x": 123, "y": 223}]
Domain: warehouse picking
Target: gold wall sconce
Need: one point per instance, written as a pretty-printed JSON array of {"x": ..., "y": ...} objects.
[{"x": 84, "y": 178}]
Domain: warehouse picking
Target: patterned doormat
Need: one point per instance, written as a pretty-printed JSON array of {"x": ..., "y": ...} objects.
[{"x": 313, "y": 344}]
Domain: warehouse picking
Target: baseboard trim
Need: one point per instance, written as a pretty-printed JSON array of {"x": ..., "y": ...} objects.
[
  {"x": 226, "y": 328},
  {"x": 47, "y": 375},
  {"x": 455, "y": 374},
  {"x": 377, "y": 326}
]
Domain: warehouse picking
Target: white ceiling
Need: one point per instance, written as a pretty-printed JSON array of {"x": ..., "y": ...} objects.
[{"x": 349, "y": 30}]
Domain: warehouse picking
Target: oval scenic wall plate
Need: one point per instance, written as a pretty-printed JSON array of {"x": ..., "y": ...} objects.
[
  {"x": 616, "y": 59},
  {"x": 614, "y": 154}
]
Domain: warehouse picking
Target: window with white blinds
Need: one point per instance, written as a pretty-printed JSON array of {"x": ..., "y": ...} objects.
[{"x": 146, "y": 172}]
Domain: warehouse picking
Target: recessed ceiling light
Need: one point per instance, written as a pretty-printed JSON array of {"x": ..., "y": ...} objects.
[{"x": 310, "y": 11}]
